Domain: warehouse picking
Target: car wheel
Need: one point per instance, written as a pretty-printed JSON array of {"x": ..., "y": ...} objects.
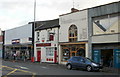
[
  {"x": 69, "y": 66},
  {"x": 89, "y": 68}
]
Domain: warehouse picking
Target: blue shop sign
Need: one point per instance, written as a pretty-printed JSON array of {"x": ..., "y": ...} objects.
[{"x": 96, "y": 56}]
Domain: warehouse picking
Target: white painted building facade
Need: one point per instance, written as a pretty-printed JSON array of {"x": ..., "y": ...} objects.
[{"x": 46, "y": 42}]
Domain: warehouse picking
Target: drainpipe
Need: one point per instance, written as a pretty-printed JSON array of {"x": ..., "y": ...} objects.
[
  {"x": 3, "y": 46},
  {"x": 58, "y": 46}
]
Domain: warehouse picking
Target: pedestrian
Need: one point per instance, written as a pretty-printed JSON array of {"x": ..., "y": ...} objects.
[
  {"x": 101, "y": 60},
  {"x": 24, "y": 57},
  {"x": 14, "y": 55},
  {"x": 111, "y": 61}
]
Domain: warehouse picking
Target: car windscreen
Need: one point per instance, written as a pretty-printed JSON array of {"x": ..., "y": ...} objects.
[{"x": 89, "y": 60}]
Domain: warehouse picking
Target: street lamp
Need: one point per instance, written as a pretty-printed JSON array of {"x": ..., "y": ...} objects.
[{"x": 33, "y": 41}]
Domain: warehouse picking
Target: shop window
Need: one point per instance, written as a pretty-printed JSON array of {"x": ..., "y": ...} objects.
[
  {"x": 49, "y": 52},
  {"x": 66, "y": 54},
  {"x": 80, "y": 52},
  {"x": 73, "y": 33},
  {"x": 73, "y": 54}
]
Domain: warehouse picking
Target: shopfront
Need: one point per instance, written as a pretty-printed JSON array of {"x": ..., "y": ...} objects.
[
  {"x": 107, "y": 54},
  {"x": 46, "y": 53},
  {"x": 72, "y": 49},
  {"x": 18, "y": 43},
  {"x": 22, "y": 51}
]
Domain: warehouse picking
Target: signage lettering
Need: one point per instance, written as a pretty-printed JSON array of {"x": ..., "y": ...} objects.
[{"x": 43, "y": 44}]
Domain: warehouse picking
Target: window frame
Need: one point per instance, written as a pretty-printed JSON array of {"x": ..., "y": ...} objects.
[{"x": 73, "y": 33}]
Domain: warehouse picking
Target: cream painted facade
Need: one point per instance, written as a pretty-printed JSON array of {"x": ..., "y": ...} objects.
[{"x": 80, "y": 20}]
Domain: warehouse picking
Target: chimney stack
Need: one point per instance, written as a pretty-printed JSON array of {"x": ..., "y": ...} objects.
[{"x": 74, "y": 10}]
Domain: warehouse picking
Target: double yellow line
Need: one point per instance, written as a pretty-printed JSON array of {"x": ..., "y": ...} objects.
[{"x": 14, "y": 70}]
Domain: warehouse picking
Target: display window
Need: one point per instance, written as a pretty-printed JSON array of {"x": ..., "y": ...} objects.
[{"x": 49, "y": 52}]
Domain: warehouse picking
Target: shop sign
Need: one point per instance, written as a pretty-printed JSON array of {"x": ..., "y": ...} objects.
[
  {"x": 30, "y": 38},
  {"x": 96, "y": 56},
  {"x": 16, "y": 41},
  {"x": 43, "y": 44}
]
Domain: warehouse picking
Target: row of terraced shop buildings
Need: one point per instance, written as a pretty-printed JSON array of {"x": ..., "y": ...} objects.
[{"x": 92, "y": 32}]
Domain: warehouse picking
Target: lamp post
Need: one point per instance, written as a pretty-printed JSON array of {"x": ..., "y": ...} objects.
[{"x": 33, "y": 33}]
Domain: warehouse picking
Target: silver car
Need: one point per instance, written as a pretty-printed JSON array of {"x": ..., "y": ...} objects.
[{"x": 84, "y": 63}]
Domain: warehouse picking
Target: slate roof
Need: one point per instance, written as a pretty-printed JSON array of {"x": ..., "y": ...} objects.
[{"x": 47, "y": 24}]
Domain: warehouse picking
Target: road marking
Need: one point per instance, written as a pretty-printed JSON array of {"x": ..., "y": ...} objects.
[
  {"x": 21, "y": 67},
  {"x": 44, "y": 67},
  {"x": 33, "y": 74},
  {"x": 12, "y": 72}
]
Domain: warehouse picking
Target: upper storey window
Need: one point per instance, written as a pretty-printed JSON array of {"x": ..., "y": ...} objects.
[{"x": 72, "y": 33}]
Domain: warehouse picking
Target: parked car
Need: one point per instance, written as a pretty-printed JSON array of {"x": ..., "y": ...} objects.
[{"x": 84, "y": 63}]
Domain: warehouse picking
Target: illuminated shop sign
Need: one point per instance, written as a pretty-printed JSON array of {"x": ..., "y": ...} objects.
[
  {"x": 16, "y": 41},
  {"x": 43, "y": 44}
]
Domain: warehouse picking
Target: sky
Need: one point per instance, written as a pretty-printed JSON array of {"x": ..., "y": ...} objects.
[{"x": 15, "y": 13}]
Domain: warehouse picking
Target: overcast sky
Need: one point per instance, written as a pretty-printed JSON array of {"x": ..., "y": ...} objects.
[{"x": 14, "y": 13}]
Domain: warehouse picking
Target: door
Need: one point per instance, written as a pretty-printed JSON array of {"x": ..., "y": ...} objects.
[
  {"x": 38, "y": 56},
  {"x": 75, "y": 62},
  {"x": 73, "y": 53},
  {"x": 117, "y": 58},
  {"x": 82, "y": 63},
  {"x": 96, "y": 55}
]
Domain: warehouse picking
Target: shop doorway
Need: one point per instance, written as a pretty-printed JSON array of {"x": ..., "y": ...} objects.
[
  {"x": 38, "y": 55},
  {"x": 79, "y": 52},
  {"x": 73, "y": 53},
  {"x": 107, "y": 57}
]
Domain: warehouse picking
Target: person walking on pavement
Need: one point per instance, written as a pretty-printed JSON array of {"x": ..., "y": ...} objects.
[
  {"x": 14, "y": 55},
  {"x": 24, "y": 57}
]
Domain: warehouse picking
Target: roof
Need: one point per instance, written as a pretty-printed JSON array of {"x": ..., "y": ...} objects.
[
  {"x": 40, "y": 25},
  {"x": 48, "y": 24},
  {"x": 91, "y": 8}
]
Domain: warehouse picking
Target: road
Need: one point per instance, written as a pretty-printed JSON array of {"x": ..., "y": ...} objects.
[{"x": 33, "y": 69}]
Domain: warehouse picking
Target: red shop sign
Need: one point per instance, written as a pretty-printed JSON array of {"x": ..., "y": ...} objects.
[{"x": 43, "y": 44}]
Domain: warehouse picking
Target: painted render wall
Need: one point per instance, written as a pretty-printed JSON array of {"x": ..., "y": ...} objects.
[
  {"x": 101, "y": 11},
  {"x": 22, "y": 33},
  {"x": 80, "y": 19}
]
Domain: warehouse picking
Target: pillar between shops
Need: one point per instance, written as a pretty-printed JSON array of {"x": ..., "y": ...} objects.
[{"x": 87, "y": 51}]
